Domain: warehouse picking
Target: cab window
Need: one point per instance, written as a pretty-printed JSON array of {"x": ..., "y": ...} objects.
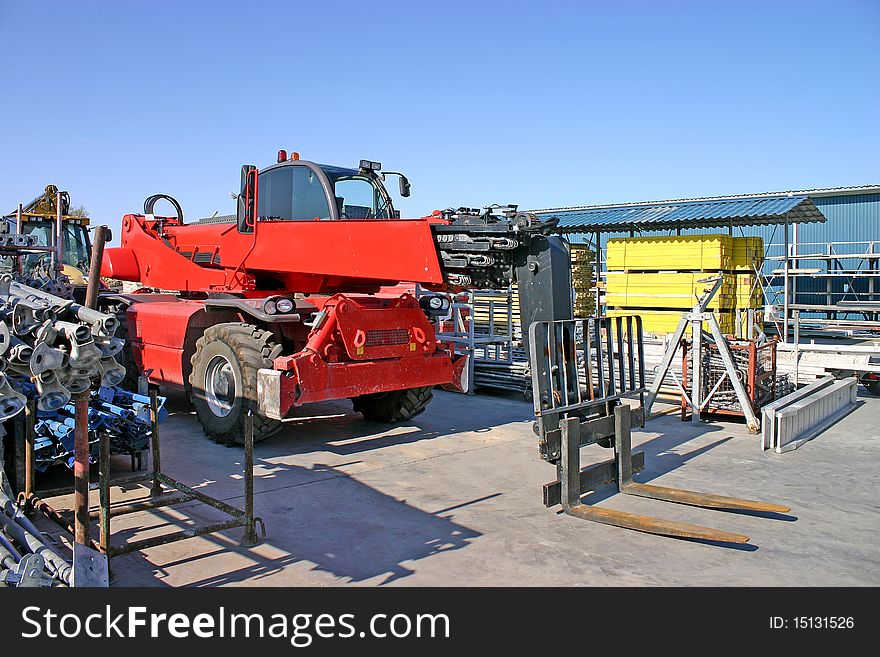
[
  {"x": 357, "y": 198},
  {"x": 292, "y": 193}
]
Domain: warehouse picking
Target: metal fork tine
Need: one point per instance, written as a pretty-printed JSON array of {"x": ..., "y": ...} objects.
[
  {"x": 571, "y": 504},
  {"x": 579, "y": 429},
  {"x": 652, "y": 525},
  {"x": 694, "y": 498}
]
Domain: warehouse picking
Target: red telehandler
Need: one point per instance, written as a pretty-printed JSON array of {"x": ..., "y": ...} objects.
[{"x": 277, "y": 305}]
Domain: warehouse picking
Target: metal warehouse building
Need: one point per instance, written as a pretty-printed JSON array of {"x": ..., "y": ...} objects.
[{"x": 832, "y": 262}]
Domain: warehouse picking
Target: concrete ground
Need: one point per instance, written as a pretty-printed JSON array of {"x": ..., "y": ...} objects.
[{"x": 453, "y": 498}]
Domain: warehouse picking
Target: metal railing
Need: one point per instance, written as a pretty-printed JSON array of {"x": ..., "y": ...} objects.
[
  {"x": 837, "y": 280},
  {"x": 481, "y": 325}
]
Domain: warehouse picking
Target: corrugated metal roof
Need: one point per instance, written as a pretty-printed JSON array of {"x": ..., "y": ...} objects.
[
  {"x": 687, "y": 214},
  {"x": 815, "y": 193}
]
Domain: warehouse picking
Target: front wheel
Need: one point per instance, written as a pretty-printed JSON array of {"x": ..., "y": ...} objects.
[
  {"x": 223, "y": 381},
  {"x": 393, "y": 406},
  {"x": 126, "y": 356}
]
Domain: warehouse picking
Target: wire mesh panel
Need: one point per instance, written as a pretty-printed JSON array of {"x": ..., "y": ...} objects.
[{"x": 755, "y": 365}]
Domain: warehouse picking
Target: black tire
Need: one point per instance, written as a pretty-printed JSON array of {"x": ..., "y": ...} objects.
[
  {"x": 393, "y": 406},
  {"x": 239, "y": 349},
  {"x": 126, "y": 356}
]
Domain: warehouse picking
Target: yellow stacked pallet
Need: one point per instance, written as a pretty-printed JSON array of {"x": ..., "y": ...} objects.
[
  {"x": 666, "y": 290},
  {"x": 681, "y": 253},
  {"x": 658, "y": 278},
  {"x": 582, "y": 259},
  {"x": 748, "y": 253},
  {"x": 748, "y": 291},
  {"x": 666, "y": 321}
]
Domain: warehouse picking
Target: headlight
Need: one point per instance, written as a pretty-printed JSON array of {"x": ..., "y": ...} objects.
[
  {"x": 269, "y": 307},
  {"x": 435, "y": 303},
  {"x": 284, "y": 305}
]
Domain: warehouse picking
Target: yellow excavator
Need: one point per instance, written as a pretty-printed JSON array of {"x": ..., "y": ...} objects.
[{"x": 40, "y": 218}]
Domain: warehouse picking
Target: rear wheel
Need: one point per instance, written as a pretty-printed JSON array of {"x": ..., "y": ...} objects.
[
  {"x": 224, "y": 377},
  {"x": 393, "y": 406}
]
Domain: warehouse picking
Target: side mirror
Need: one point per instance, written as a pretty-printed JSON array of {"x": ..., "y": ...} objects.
[
  {"x": 246, "y": 215},
  {"x": 404, "y": 187}
]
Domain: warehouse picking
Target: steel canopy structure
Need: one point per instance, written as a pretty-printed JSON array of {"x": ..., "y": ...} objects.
[
  {"x": 691, "y": 214},
  {"x": 685, "y": 214}
]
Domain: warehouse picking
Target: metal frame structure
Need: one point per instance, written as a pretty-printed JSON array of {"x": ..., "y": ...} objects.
[
  {"x": 696, "y": 317},
  {"x": 90, "y": 563},
  {"x": 238, "y": 517},
  {"x": 54, "y": 251},
  {"x": 791, "y": 421},
  {"x": 482, "y": 345},
  {"x": 494, "y": 360},
  {"x": 747, "y": 356},
  {"x": 581, "y": 369},
  {"x": 863, "y": 260},
  {"x": 83, "y": 515}
]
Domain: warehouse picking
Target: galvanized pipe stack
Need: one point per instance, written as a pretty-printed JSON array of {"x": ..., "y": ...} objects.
[
  {"x": 25, "y": 554},
  {"x": 57, "y": 344}
]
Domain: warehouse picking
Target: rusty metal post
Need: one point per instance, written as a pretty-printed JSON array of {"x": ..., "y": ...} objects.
[
  {"x": 104, "y": 479},
  {"x": 30, "y": 420},
  {"x": 95, "y": 266},
  {"x": 250, "y": 529},
  {"x": 59, "y": 234},
  {"x": 155, "y": 456},
  {"x": 752, "y": 375},
  {"x": 18, "y": 232},
  {"x": 17, "y": 474},
  {"x": 81, "y": 468},
  {"x": 81, "y": 427}
]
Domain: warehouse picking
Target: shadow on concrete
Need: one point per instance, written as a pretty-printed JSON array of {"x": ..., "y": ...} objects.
[
  {"x": 346, "y": 433},
  {"x": 334, "y": 427},
  {"x": 742, "y": 547},
  {"x": 343, "y": 527}
]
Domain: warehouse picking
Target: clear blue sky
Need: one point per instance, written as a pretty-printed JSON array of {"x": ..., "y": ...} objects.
[{"x": 539, "y": 103}]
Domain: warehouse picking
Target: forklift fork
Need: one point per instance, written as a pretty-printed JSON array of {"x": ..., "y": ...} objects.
[
  {"x": 570, "y": 476},
  {"x": 579, "y": 404}
]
